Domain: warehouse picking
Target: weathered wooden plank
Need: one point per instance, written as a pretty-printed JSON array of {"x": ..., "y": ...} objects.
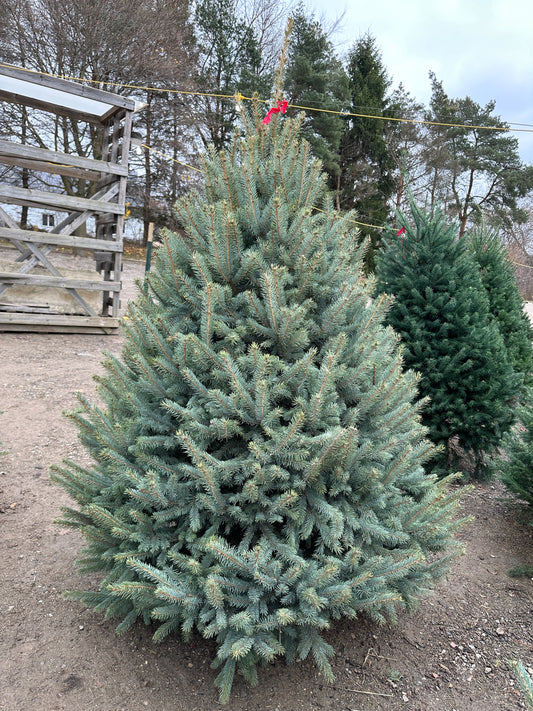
[
  {"x": 38, "y": 198},
  {"x": 65, "y": 319},
  {"x": 75, "y": 220},
  {"x": 40, "y": 167},
  {"x": 16, "y": 150},
  {"x": 59, "y": 240},
  {"x": 38, "y": 254},
  {"x": 126, "y": 139},
  {"x": 25, "y": 308},
  {"x": 66, "y": 227},
  {"x": 128, "y": 123},
  {"x": 58, "y": 282},
  {"x": 57, "y": 323},
  {"x": 7, "y": 220},
  {"x": 33, "y": 328}
]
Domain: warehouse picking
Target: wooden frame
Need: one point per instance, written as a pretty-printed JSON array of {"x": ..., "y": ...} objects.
[{"x": 33, "y": 266}]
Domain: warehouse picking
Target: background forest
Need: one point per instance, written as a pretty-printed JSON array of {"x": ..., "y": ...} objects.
[{"x": 186, "y": 61}]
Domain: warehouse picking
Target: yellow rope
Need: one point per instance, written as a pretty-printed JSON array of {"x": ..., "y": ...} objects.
[
  {"x": 134, "y": 86},
  {"x": 154, "y": 150},
  {"x": 240, "y": 97},
  {"x": 405, "y": 120},
  {"x": 365, "y": 224}
]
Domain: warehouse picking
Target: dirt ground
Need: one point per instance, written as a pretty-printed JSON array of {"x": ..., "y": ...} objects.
[{"x": 56, "y": 655}]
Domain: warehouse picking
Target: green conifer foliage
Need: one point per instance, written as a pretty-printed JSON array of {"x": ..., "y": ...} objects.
[
  {"x": 258, "y": 462},
  {"x": 516, "y": 468},
  {"x": 505, "y": 302},
  {"x": 441, "y": 311}
]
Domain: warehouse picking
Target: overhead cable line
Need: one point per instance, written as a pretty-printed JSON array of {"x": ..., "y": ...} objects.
[{"x": 240, "y": 97}]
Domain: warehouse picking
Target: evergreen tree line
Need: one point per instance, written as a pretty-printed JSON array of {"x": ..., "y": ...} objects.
[{"x": 224, "y": 47}]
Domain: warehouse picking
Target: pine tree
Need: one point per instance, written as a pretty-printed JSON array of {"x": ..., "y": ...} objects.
[
  {"x": 366, "y": 179},
  {"x": 476, "y": 171},
  {"x": 505, "y": 301},
  {"x": 229, "y": 62},
  {"x": 315, "y": 79},
  {"x": 258, "y": 461},
  {"x": 441, "y": 311}
]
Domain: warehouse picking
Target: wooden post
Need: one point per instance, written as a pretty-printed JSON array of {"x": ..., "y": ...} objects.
[{"x": 149, "y": 247}]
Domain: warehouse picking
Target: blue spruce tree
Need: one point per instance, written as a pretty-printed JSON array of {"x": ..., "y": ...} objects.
[{"x": 259, "y": 458}]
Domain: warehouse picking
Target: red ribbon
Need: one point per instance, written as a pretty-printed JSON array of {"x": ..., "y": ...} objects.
[
  {"x": 401, "y": 232},
  {"x": 282, "y": 106}
]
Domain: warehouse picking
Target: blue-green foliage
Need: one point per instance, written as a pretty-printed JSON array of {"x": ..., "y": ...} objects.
[
  {"x": 259, "y": 460},
  {"x": 441, "y": 310}
]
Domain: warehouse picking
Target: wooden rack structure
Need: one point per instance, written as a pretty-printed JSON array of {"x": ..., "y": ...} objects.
[{"x": 33, "y": 266}]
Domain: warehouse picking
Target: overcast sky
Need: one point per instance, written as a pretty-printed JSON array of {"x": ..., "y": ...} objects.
[{"x": 477, "y": 48}]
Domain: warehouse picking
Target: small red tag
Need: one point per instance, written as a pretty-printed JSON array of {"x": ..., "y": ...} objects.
[
  {"x": 281, "y": 107},
  {"x": 401, "y": 232}
]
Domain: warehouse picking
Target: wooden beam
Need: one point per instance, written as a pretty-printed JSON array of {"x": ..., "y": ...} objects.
[
  {"x": 56, "y": 201},
  {"x": 51, "y": 168},
  {"x": 25, "y": 308},
  {"x": 32, "y": 153},
  {"x": 7, "y": 219},
  {"x": 57, "y": 323},
  {"x": 59, "y": 240},
  {"x": 58, "y": 282},
  {"x": 11, "y": 224},
  {"x": 14, "y": 98},
  {"x": 66, "y": 227}
]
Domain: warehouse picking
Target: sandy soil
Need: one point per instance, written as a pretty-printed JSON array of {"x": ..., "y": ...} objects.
[{"x": 56, "y": 655}]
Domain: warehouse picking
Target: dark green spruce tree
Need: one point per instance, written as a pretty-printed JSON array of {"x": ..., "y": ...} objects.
[
  {"x": 229, "y": 62},
  {"x": 259, "y": 457},
  {"x": 505, "y": 301},
  {"x": 516, "y": 467},
  {"x": 441, "y": 311}
]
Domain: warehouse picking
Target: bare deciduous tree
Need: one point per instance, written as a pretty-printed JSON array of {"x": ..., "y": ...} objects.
[{"x": 118, "y": 47}]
